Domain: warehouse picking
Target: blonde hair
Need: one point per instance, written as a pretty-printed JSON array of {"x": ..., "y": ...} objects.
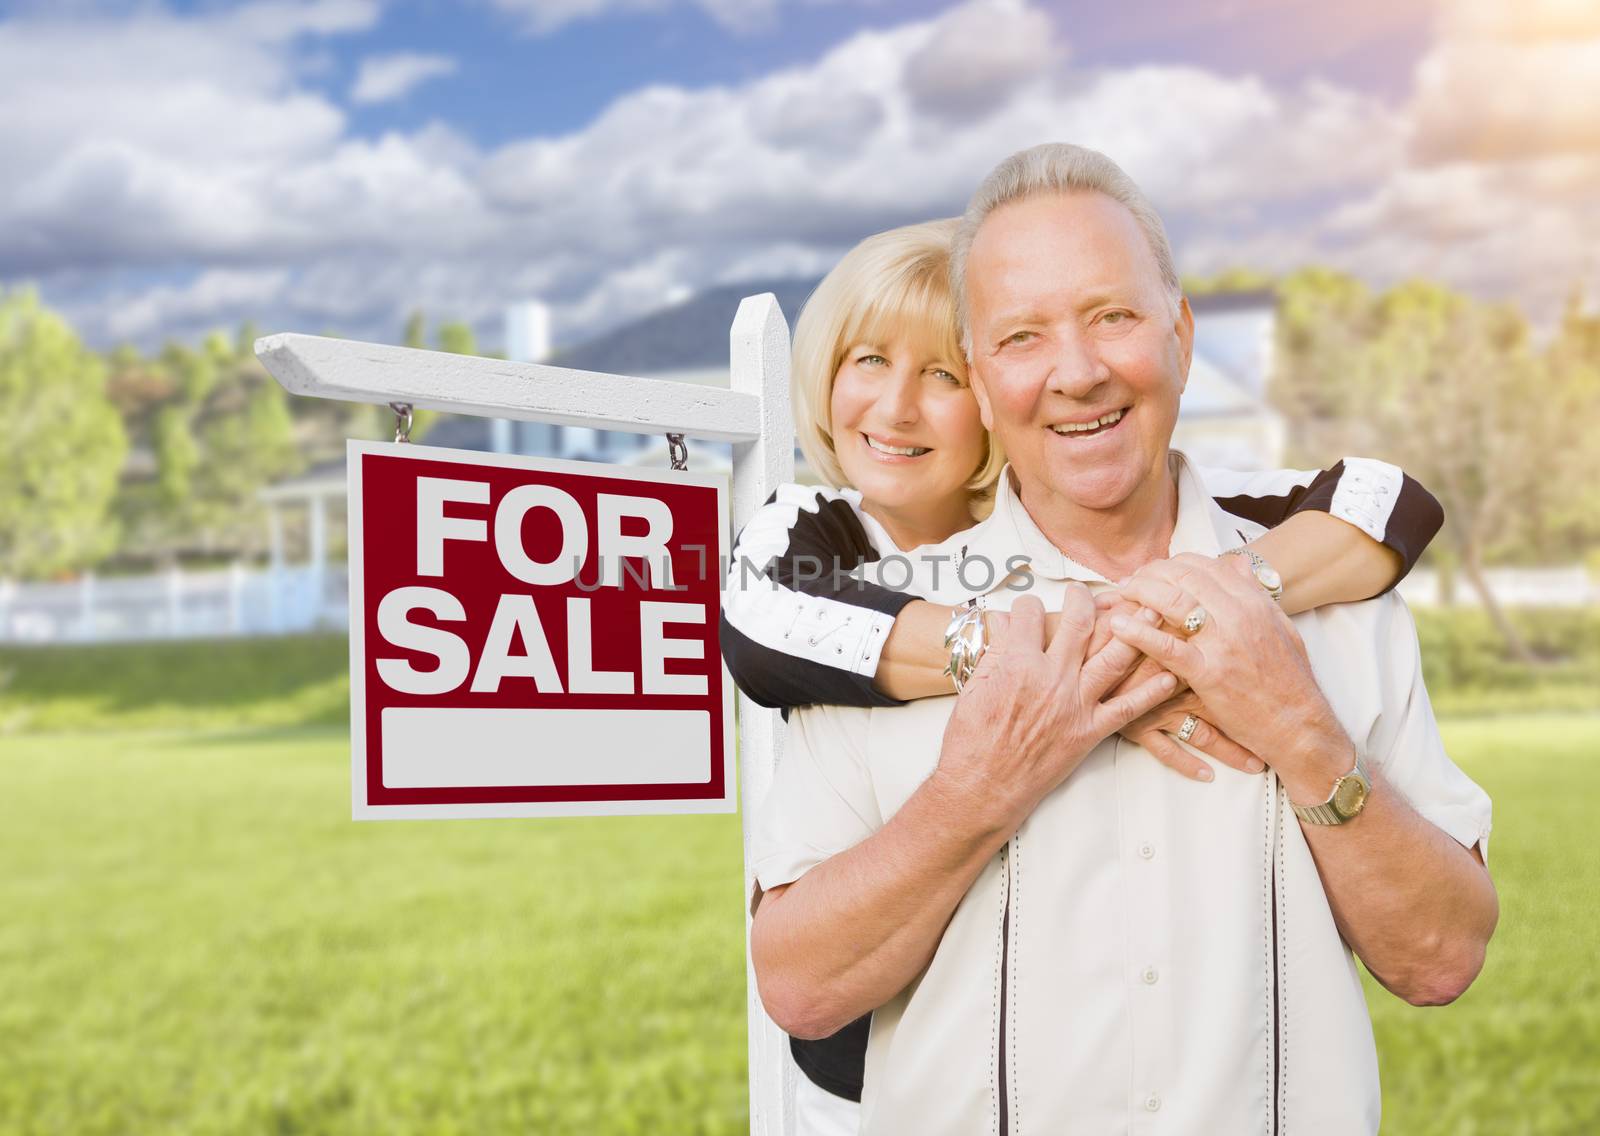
[
  {"x": 891, "y": 284},
  {"x": 1053, "y": 168}
]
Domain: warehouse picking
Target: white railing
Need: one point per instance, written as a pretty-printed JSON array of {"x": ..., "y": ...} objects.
[
  {"x": 174, "y": 604},
  {"x": 1571, "y": 586}
]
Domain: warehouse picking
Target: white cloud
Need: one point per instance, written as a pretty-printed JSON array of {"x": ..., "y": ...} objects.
[
  {"x": 131, "y": 154},
  {"x": 1486, "y": 99},
  {"x": 977, "y": 57},
  {"x": 383, "y": 78},
  {"x": 217, "y": 296},
  {"x": 541, "y": 17},
  {"x": 1499, "y": 186}
]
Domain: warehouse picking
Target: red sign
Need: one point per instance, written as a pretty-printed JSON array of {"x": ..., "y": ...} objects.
[{"x": 533, "y": 637}]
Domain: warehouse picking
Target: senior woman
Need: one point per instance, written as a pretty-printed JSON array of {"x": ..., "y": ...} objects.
[{"x": 885, "y": 416}]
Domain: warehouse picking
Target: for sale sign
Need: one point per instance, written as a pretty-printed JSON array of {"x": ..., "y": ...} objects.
[{"x": 532, "y": 637}]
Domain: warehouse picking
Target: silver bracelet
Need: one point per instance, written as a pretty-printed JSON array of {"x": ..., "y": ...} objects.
[{"x": 966, "y": 637}]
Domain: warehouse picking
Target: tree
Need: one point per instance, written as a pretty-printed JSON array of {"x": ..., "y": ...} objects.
[
  {"x": 1236, "y": 279},
  {"x": 212, "y": 429},
  {"x": 1450, "y": 388},
  {"x": 1571, "y": 509},
  {"x": 244, "y": 340},
  {"x": 64, "y": 444},
  {"x": 457, "y": 338},
  {"x": 416, "y": 332},
  {"x": 177, "y": 457}
]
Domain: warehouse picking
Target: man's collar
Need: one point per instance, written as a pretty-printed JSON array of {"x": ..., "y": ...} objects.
[{"x": 1009, "y": 534}]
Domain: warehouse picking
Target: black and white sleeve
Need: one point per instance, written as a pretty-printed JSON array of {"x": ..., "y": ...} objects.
[
  {"x": 796, "y": 628},
  {"x": 1380, "y": 499}
]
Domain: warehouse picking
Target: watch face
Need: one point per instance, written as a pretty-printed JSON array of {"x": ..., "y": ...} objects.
[{"x": 1349, "y": 796}]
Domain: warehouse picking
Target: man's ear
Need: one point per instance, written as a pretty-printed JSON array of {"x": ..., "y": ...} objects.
[{"x": 1185, "y": 330}]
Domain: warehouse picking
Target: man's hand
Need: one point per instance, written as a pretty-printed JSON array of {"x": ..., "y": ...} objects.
[
  {"x": 1247, "y": 664},
  {"x": 1154, "y": 730},
  {"x": 1032, "y": 712}
]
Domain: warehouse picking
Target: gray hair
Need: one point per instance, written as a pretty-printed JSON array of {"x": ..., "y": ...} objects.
[{"x": 1053, "y": 168}]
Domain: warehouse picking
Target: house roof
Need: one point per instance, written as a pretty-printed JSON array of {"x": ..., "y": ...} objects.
[
  {"x": 687, "y": 342},
  {"x": 690, "y": 336},
  {"x": 1251, "y": 300}
]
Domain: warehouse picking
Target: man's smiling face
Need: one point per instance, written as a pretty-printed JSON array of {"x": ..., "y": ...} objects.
[{"x": 1079, "y": 351}]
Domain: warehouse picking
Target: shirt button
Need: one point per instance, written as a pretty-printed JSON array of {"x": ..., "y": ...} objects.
[
  {"x": 1147, "y": 850},
  {"x": 1151, "y": 976},
  {"x": 1152, "y": 1103}
]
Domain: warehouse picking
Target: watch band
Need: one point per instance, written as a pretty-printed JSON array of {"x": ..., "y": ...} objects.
[
  {"x": 1326, "y": 813},
  {"x": 1265, "y": 574},
  {"x": 1317, "y": 814}
]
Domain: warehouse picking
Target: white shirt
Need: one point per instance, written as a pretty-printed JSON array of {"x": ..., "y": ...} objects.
[{"x": 1148, "y": 954}]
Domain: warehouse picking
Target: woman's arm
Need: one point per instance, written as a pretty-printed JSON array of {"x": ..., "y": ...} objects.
[
  {"x": 796, "y": 628},
  {"x": 1342, "y": 534},
  {"x": 1323, "y": 560},
  {"x": 1338, "y": 535}
]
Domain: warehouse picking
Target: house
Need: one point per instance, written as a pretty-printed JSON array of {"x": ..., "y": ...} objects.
[{"x": 1224, "y": 419}]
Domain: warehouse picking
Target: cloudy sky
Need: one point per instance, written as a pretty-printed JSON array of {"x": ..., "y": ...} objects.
[{"x": 330, "y": 165}]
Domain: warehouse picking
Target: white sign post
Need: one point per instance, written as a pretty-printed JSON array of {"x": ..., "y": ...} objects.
[{"x": 754, "y": 414}]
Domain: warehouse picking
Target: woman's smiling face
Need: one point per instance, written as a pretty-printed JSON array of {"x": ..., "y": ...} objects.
[{"x": 908, "y": 435}]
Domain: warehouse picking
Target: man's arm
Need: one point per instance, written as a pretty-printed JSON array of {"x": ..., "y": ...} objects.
[
  {"x": 1416, "y": 905},
  {"x": 853, "y": 931},
  {"x": 849, "y": 934}
]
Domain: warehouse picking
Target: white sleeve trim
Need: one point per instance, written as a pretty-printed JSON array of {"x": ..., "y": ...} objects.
[
  {"x": 815, "y": 628},
  {"x": 1366, "y": 495}
]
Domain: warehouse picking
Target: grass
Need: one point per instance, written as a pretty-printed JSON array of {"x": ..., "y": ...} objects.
[
  {"x": 1519, "y": 1053},
  {"x": 299, "y": 679},
  {"x": 175, "y": 684},
  {"x": 196, "y": 939}
]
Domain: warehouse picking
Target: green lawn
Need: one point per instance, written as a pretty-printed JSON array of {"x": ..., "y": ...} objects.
[
  {"x": 1520, "y": 1051},
  {"x": 196, "y": 939}
]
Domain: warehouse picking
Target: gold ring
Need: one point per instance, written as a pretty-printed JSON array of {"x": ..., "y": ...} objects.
[
  {"x": 1195, "y": 620},
  {"x": 1186, "y": 731}
]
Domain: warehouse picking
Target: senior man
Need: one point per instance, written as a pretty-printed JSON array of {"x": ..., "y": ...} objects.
[{"x": 1055, "y": 933}]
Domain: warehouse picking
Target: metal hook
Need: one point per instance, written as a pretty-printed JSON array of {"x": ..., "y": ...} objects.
[
  {"x": 677, "y": 451},
  {"x": 402, "y": 421}
]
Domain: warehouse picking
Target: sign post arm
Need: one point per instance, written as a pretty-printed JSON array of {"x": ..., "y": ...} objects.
[
  {"x": 759, "y": 365},
  {"x": 351, "y": 371}
]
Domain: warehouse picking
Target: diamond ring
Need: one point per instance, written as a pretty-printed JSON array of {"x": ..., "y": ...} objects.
[
  {"x": 1186, "y": 731},
  {"x": 1195, "y": 620}
]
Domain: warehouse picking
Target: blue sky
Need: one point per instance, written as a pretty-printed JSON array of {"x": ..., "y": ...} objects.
[
  {"x": 519, "y": 81},
  {"x": 334, "y": 164}
]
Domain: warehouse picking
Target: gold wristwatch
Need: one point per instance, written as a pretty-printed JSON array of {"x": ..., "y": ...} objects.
[
  {"x": 1266, "y": 575},
  {"x": 1345, "y": 803}
]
